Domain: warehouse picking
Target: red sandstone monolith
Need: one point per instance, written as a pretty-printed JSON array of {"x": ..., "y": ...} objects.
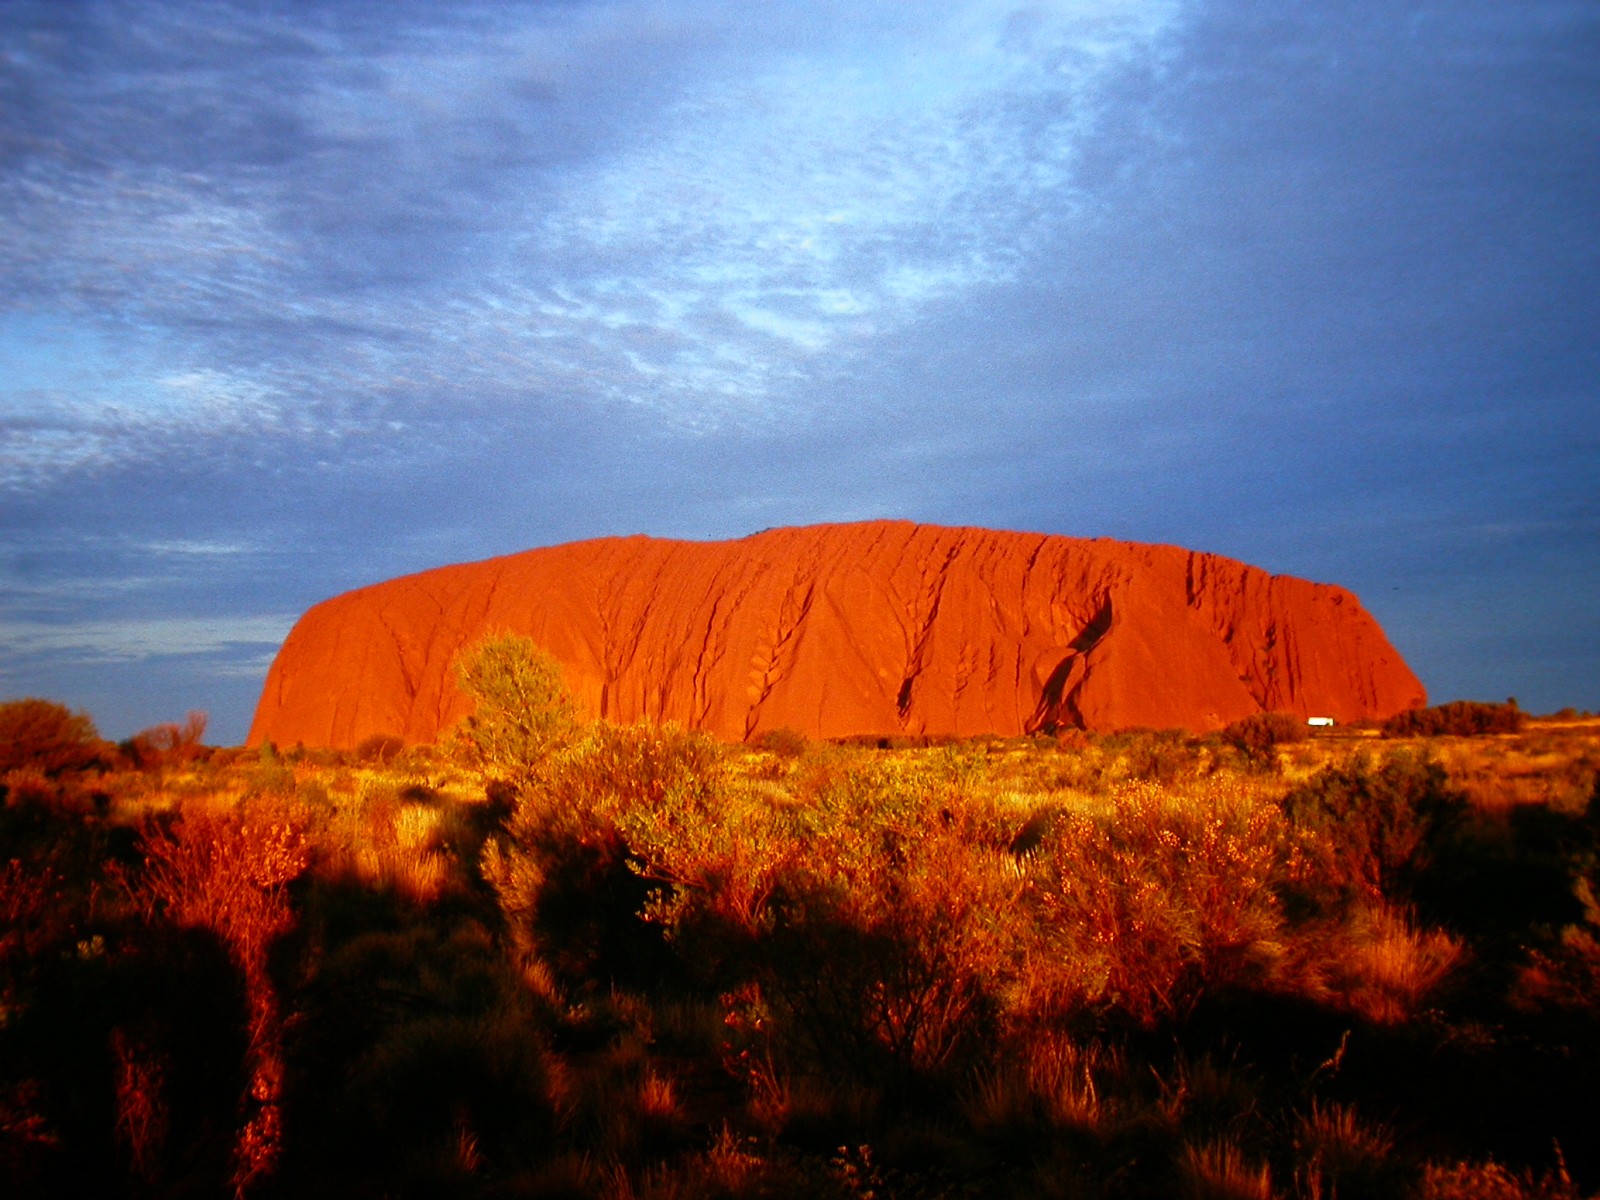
[{"x": 882, "y": 627}]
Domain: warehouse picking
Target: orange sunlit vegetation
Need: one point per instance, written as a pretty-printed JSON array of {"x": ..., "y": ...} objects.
[{"x": 548, "y": 958}]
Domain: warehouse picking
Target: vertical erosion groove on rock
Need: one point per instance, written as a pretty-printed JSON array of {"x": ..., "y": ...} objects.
[{"x": 881, "y": 627}]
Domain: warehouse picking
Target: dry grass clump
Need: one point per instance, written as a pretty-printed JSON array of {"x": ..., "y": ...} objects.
[
  {"x": 1492, "y": 1181},
  {"x": 401, "y": 850},
  {"x": 1220, "y": 1171},
  {"x": 1553, "y": 768},
  {"x": 1339, "y": 1154},
  {"x": 1055, "y": 1082},
  {"x": 1386, "y": 968}
]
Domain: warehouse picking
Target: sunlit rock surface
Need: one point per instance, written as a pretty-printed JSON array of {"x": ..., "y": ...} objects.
[{"x": 882, "y": 627}]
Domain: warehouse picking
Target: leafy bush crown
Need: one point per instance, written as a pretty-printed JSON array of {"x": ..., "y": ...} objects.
[
  {"x": 1258, "y": 733},
  {"x": 46, "y": 736},
  {"x": 523, "y": 710}
]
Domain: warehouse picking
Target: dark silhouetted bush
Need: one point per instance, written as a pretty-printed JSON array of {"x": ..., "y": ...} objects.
[
  {"x": 379, "y": 748},
  {"x": 1459, "y": 718}
]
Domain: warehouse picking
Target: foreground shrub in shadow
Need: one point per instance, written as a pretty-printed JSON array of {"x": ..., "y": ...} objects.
[
  {"x": 1373, "y": 831},
  {"x": 572, "y": 888},
  {"x": 123, "y": 1043},
  {"x": 1502, "y": 876},
  {"x": 893, "y": 979},
  {"x": 443, "y": 1098},
  {"x": 228, "y": 873}
]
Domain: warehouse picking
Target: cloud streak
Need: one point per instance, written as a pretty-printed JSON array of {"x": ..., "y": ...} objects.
[
  {"x": 132, "y": 640},
  {"x": 363, "y": 228}
]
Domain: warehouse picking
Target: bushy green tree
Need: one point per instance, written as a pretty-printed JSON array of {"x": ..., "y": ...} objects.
[{"x": 522, "y": 712}]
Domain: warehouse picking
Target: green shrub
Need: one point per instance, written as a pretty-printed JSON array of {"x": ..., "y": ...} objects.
[{"x": 522, "y": 712}]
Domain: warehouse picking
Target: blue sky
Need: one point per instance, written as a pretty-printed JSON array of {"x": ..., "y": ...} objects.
[{"x": 295, "y": 297}]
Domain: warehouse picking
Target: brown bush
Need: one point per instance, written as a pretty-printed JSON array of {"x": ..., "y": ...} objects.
[
  {"x": 47, "y": 737},
  {"x": 167, "y": 743},
  {"x": 380, "y": 748},
  {"x": 1459, "y": 718},
  {"x": 784, "y": 742},
  {"x": 1258, "y": 733}
]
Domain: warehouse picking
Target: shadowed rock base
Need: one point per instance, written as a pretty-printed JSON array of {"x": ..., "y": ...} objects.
[{"x": 882, "y": 627}]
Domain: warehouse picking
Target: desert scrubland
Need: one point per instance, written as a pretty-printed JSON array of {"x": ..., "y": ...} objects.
[{"x": 547, "y": 957}]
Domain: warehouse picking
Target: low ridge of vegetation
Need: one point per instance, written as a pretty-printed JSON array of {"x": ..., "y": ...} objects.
[
  {"x": 1460, "y": 718},
  {"x": 549, "y": 958}
]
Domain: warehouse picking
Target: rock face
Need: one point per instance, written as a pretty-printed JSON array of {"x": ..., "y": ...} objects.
[{"x": 882, "y": 627}]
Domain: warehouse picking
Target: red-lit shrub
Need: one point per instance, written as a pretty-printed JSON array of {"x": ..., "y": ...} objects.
[
  {"x": 1145, "y": 908},
  {"x": 168, "y": 743},
  {"x": 46, "y": 737},
  {"x": 229, "y": 873}
]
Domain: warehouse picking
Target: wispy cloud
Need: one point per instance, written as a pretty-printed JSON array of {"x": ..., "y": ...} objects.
[
  {"x": 133, "y": 639},
  {"x": 822, "y": 201},
  {"x": 320, "y": 228}
]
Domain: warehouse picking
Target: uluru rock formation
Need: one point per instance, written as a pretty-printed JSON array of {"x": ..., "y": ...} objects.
[{"x": 882, "y": 627}]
